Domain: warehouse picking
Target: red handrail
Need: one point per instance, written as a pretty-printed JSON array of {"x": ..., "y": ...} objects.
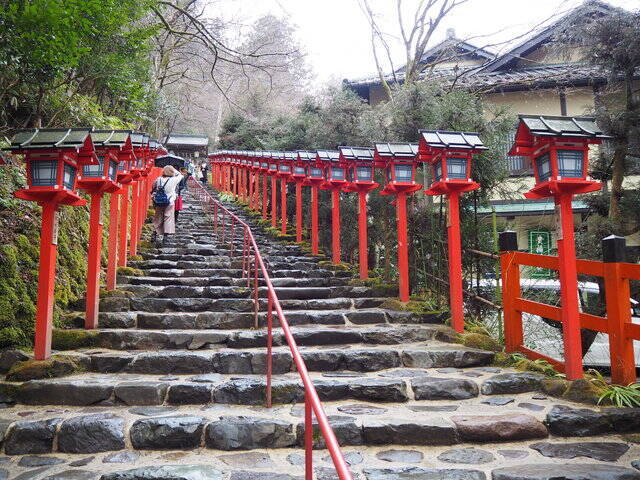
[{"x": 311, "y": 400}]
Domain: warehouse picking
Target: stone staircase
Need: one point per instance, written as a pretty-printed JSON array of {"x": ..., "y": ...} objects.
[{"x": 172, "y": 386}]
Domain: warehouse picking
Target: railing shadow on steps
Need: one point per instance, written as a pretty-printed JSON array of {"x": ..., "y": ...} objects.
[{"x": 312, "y": 404}]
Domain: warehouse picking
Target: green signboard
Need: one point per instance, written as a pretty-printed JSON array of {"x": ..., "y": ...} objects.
[{"x": 539, "y": 243}]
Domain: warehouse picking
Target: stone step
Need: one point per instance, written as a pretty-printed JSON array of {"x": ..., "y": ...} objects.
[
  {"x": 182, "y": 304},
  {"x": 239, "y": 320},
  {"x": 228, "y": 281},
  {"x": 204, "y": 338},
  {"x": 219, "y": 426},
  {"x": 236, "y": 273},
  {"x": 251, "y": 360}
]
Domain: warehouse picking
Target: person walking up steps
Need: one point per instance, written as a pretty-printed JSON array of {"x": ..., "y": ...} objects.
[
  {"x": 163, "y": 194},
  {"x": 182, "y": 186}
]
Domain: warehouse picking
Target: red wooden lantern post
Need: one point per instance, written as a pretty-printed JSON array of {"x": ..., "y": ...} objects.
[
  {"x": 98, "y": 180},
  {"x": 299, "y": 175},
  {"x": 255, "y": 181},
  {"x": 264, "y": 169},
  {"x": 284, "y": 173},
  {"x": 53, "y": 157},
  {"x": 360, "y": 176},
  {"x": 119, "y": 199},
  {"x": 335, "y": 180},
  {"x": 140, "y": 142},
  {"x": 451, "y": 157},
  {"x": 315, "y": 178},
  {"x": 300, "y": 171},
  {"x": 399, "y": 161},
  {"x": 558, "y": 148},
  {"x": 272, "y": 172}
]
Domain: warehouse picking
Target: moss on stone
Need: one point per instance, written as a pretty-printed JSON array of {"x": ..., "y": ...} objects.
[
  {"x": 130, "y": 272},
  {"x": 481, "y": 342},
  {"x": 104, "y": 293},
  {"x": 477, "y": 329},
  {"x": 136, "y": 258},
  {"x": 584, "y": 391},
  {"x": 339, "y": 267},
  {"x": 502, "y": 359},
  {"x": 37, "y": 369},
  {"x": 555, "y": 386},
  {"x": 632, "y": 438},
  {"x": 73, "y": 339}
]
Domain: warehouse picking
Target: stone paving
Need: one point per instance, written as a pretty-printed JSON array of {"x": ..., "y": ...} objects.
[{"x": 173, "y": 387}]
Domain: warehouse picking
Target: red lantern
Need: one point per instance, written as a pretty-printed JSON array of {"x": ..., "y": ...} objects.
[
  {"x": 399, "y": 163},
  {"x": 450, "y": 155},
  {"x": 558, "y": 148},
  {"x": 53, "y": 157}
]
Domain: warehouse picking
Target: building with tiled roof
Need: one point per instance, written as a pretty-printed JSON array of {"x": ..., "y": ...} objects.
[{"x": 535, "y": 77}]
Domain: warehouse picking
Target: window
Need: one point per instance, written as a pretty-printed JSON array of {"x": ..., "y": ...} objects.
[
  {"x": 69, "y": 177},
  {"x": 94, "y": 170},
  {"x": 437, "y": 170},
  {"x": 570, "y": 163},
  {"x": 43, "y": 172},
  {"x": 113, "y": 170},
  {"x": 403, "y": 173},
  {"x": 337, "y": 173},
  {"x": 363, "y": 174},
  {"x": 457, "y": 168},
  {"x": 543, "y": 164}
]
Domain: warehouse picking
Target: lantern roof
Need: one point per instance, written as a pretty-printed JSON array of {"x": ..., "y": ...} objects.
[
  {"x": 396, "y": 150},
  {"x": 306, "y": 155},
  {"x": 356, "y": 153},
  {"x": 557, "y": 126},
  {"x": 442, "y": 139},
  {"x": 111, "y": 138},
  {"x": 139, "y": 139},
  {"x": 41, "y": 138},
  {"x": 328, "y": 155}
]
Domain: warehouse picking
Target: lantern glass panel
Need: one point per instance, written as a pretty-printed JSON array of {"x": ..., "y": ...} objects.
[
  {"x": 264, "y": 165},
  {"x": 285, "y": 168},
  {"x": 570, "y": 163},
  {"x": 273, "y": 166},
  {"x": 437, "y": 170},
  {"x": 543, "y": 165},
  {"x": 299, "y": 171},
  {"x": 337, "y": 173},
  {"x": 69, "y": 177},
  {"x": 113, "y": 169},
  {"x": 316, "y": 172},
  {"x": 94, "y": 170},
  {"x": 43, "y": 173},
  {"x": 122, "y": 166},
  {"x": 456, "y": 168},
  {"x": 364, "y": 174},
  {"x": 403, "y": 173}
]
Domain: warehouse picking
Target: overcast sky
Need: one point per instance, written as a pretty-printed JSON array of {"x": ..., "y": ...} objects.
[{"x": 336, "y": 35}]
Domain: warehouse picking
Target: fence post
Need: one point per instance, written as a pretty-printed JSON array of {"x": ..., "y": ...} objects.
[
  {"x": 508, "y": 246},
  {"x": 617, "y": 295}
]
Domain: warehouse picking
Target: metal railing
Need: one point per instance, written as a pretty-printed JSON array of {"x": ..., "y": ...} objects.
[{"x": 250, "y": 252}]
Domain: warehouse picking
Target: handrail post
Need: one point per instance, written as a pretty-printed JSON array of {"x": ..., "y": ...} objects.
[
  {"x": 256, "y": 305},
  {"x": 308, "y": 438},
  {"x": 268, "y": 362},
  {"x": 617, "y": 295},
  {"x": 513, "y": 334}
]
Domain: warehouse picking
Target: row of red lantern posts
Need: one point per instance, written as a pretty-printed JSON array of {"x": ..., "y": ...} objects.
[
  {"x": 559, "y": 158},
  {"x": 59, "y": 162},
  {"x": 351, "y": 170}
]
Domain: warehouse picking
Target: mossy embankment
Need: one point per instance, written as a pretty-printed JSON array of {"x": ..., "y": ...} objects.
[{"x": 19, "y": 259}]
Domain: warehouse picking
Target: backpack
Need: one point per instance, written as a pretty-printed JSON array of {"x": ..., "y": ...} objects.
[{"x": 160, "y": 197}]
